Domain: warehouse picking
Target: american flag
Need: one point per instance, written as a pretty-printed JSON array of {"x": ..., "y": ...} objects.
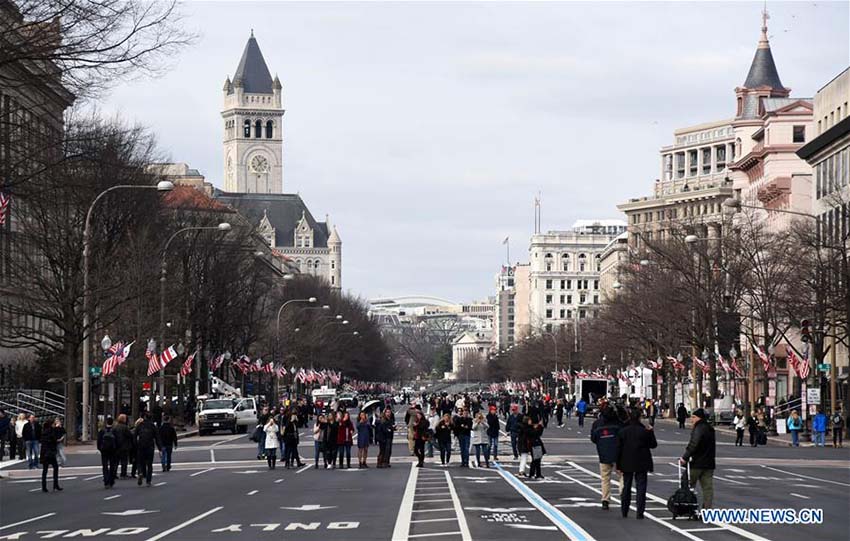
[
  {"x": 765, "y": 360},
  {"x": 216, "y": 362},
  {"x": 268, "y": 368},
  {"x": 117, "y": 354},
  {"x": 702, "y": 365},
  {"x": 676, "y": 363},
  {"x": 153, "y": 362},
  {"x": 737, "y": 369},
  {"x": 186, "y": 369},
  {"x": 243, "y": 363},
  {"x": 281, "y": 371},
  {"x": 5, "y": 200}
]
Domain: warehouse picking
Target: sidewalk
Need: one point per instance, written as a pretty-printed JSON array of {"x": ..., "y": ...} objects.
[{"x": 783, "y": 440}]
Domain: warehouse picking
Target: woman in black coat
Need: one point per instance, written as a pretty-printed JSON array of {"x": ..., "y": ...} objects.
[
  {"x": 49, "y": 451},
  {"x": 634, "y": 461}
]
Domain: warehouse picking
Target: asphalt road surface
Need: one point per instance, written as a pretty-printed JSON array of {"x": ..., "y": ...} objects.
[{"x": 217, "y": 490}]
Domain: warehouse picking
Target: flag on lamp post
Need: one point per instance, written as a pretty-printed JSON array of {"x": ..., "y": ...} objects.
[{"x": 186, "y": 369}]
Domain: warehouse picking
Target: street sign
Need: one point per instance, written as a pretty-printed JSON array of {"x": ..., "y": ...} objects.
[
  {"x": 823, "y": 367},
  {"x": 95, "y": 371},
  {"x": 813, "y": 396}
]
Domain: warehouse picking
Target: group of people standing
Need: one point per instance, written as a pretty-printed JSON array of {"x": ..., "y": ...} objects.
[
  {"x": 122, "y": 445},
  {"x": 24, "y": 433}
]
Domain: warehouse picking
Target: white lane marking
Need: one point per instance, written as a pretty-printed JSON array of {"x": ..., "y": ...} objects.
[
  {"x": 401, "y": 531},
  {"x": 279, "y": 480},
  {"x": 730, "y": 480},
  {"x": 438, "y": 534},
  {"x": 432, "y": 510},
  {"x": 184, "y": 524},
  {"x": 112, "y": 497},
  {"x": 432, "y": 520},
  {"x": 33, "y": 519},
  {"x": 93, "y": 477},
  {"x": 34, "y": 489},
  {"x": 10, "y": 463},
  {"x": 461, "y": 518},
  {"x": 212, "y": 456},
  {"x": 252, "y": 492},
  {"x": 201, "y": 472},
  {"x": 38, "y": 479},
  {"x": 713, "y": 529},
  {"x": 422, "y": 489},
  {"x": 800, "y": 496},
  {"x": 807, "y": 476},
  {"x": 307, "y": 467},
  {"x": 227, "y": 440},
  {"x": 570, "y": 528},
  {"x": 656, "y": 499},
  {"x": 160, "y": 484}
]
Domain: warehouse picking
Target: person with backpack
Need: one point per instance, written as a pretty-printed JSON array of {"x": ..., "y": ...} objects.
[
  {"x": 794, "y": 424},
  {"x": 168, "y": 437},
  {"x": 819, "y": 424},
  {"x": 109, "y": 446},
  {"x": 701, "y": 452},
  {"x": 581, "y": 410},
  {"x": 634, "y": 461},
  {"x": 603, "y": 434},
  {"x": 837, "y": 428}
]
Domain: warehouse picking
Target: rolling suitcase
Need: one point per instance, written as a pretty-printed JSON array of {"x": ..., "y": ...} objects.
[{"x": 683, "y": 502}]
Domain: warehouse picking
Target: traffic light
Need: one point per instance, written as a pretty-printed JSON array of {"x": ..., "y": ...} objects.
[{"x": 805, "y": 331}]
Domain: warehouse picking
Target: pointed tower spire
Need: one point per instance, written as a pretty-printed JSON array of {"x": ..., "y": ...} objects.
[
  {"x": 763, "y": 69},
  {"x": 252, "y": 72}
]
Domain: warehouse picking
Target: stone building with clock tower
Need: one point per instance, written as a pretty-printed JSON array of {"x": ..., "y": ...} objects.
[{"x": 253, "y": 171}]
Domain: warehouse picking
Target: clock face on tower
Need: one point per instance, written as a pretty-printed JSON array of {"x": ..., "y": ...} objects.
[{"x": 259, "y": 164}]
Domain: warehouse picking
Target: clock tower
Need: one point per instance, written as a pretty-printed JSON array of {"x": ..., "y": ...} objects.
[{"x": 253, "y": 126}]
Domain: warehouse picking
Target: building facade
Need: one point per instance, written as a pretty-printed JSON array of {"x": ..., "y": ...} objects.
[
  {"x": 564, "y": 273},
  {"x": 253, "y": 172},
  {"x": 505, "y": 312}
]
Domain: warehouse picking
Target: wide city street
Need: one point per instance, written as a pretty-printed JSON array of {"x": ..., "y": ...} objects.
[{"x": 217, "y": 490}]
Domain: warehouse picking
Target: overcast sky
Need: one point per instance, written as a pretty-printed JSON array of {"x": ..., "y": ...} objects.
[{"x": 426, "y": 129}]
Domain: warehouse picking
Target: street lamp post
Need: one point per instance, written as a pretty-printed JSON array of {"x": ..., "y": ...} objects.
[
  {"x": 162, "y": 186},
  {"x": 224, "y": 227},
  {"x": 280, "y": 311}
]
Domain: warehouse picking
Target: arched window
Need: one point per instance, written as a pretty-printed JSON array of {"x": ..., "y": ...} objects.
[
  {"x": 565, "y": 262},
  {"x": 582, "y": 262},
  {"x": 246, "y": 132},
  {"x": 547, "y": 262},
  {"x": 258, "y": 129},
  {"x": 269, "y": 129}
]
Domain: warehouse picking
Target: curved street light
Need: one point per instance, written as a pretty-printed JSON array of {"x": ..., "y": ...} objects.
[{"x": 162, "y": 186}]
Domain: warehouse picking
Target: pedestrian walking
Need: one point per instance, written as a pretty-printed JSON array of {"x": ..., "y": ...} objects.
[
  {"x": 603, "y": 434},
  {"x": 271, "y": 442},
  {"x": 794, "y": 424},
  {"x": 147, "y": 439},
  {"x": 681, "y": 415},
  {"x": 60, "y": 433},
  {"x": 21, "y": 423},
  {"x": 512, "y": 427},
  {"x": 168, "y": 438},
  {"x": 344, "y": 440},
  {"x": 753, "y": 429},
  {"x": 384, "y": 436},
  {"x": 581, "y": 410},
  {"x": 634, "y": 462},
  {"x": 48, "y": 454},
  {"x": 443, "y": 435},
  {"x": 31, "y": 435},
  {"x": 259, "y": 432},
  {"x": 480, "y": 438},
  {"x": 421, "y": 434},
  {"x": 651, "y": 412},
  {"x": 124, "y": 438},
  {"x": 290, "y": 442},
  {"x": 463, "y": 431},
  {"x": 364, "y": 437},
  {"x": 559, "y": 412},
  {"x": 410, "y": 420},
  {"x": 701, "y": 451},
  {"x": 108, "y": 445},
  {"x": 740, "y": 424},
  {"x": 837, "y": 428},
  {"x": 819, "y": 425},
  {"x": 537, "y": 449},
  {"x": 493, "y": 432},
  {"x": 523, "y": 438}
]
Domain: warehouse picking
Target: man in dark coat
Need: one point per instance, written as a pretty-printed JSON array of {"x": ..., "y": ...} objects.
[
  {"x": 681, "y": 415},
  {"x": 493, "y": 432},
  {"x": 168, "y": 438},
  {"x": 125, "y": 443},
  {"x": 512, "y": 427},
  {"x": 634, "y": 461},
  {"x": 384, "y": 436},
  {"x": 109, "y": 445},
  {"x": 701, "y": 451},
  {"x": 147, "y": 439},
  {"x": 4, "y": 433},
  {"x": 603, "y": 433}
]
